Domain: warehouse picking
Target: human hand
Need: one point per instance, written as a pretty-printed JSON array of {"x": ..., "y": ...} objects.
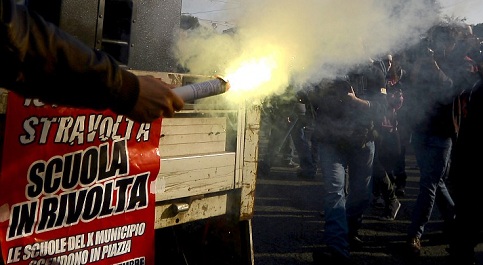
[
  {"x": 156, "y": 99},
  {"x": 355, "y": 101},
  {"x": 352, "y": 95}
]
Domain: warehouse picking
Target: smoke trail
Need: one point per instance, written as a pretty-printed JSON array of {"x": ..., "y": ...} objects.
[{"x": 303, "y": 41}]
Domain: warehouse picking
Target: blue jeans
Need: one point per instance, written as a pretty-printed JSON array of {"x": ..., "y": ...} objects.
[
  {"x": 302, "y": 139},
  {"x": 432, "y": 155},
  {"x": 341, "y": 208}
]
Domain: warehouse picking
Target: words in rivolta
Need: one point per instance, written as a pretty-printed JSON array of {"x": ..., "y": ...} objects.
[{"x": 78, "y": 187}]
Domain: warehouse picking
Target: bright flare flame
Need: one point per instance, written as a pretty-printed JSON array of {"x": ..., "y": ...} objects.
[
  {"x": 251, "y": 75},
  {"x": 256, "y": 78}
]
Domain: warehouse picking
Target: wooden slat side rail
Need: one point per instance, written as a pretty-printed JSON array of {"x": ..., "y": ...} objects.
[
  {"x": 189, "y": 136},
  {"x": 195, "y": 175}
]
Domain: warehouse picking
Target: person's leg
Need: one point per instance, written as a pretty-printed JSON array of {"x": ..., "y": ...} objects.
[
  {"x": 265, "y": 154},
  {"x": 399, "y": 173},
  {"x": 468, "y": 224},
  {"x": 287, "y": 152},
  {"x": 308, "y": 168},
  {"x": 432, "y": 155},
  {"x": 278, "y": 145},
  {"x": 445, "y": 205},
  {"x": 466, "y": 230},
  {"x": 360, "y": 185},
  {"x": 334, "y": 198},
  {"x": 391, "y": 202},
  {"x": 400, "y": 167},
  {"x": 384, "y": 164},
  {"x": 378, "y": 189},
  {"x": 404, "y": 119}
]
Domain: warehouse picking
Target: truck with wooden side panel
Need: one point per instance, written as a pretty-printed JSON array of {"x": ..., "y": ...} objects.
[{"x": 208, "y": 153}]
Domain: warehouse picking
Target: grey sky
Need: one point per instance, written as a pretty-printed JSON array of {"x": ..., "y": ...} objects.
[
  {"x": 223, "y": 11},
  {"x": 472, "y": 10}
]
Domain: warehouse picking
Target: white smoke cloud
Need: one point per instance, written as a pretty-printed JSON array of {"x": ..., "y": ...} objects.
[{"x": 305, "y": 40}]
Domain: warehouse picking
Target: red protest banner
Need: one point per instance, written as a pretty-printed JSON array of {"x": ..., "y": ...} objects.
[{"x": 77, "y": 186}]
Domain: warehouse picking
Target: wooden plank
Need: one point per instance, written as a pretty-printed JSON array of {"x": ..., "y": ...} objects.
[
  {"x": 195, "y": 135},
  {"x": 191, "y": 138},
  {"x": 193, "y": 129},
  {"x": 167, "y": 151},
  {"x": 189, "y": 163},
  {"x": 250, "y": 162},
  {"x": 195, "y": 175},
  {"x": 199, "y": 209},
  {"x": 193, "y": 121}
]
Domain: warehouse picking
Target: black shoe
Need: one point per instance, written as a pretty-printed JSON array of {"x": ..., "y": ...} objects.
[
  {"x": 355, "y": 243},
  {"x": 331, "y": 257},
  {"x": 414, "y": 246},
  {"x": 391, "y": 211},
  {"x": 400, "y": 191}
]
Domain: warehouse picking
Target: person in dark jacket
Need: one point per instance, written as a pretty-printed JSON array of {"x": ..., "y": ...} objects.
[
  {"x": 39, "y": 60},
  {"x": 466, "y": 180},
  {"x": 465, "y": 168},
  {"x": 345, "y": 115},
  {"x": 387, "y": 142},
  {"x": 438, "y": 77}
]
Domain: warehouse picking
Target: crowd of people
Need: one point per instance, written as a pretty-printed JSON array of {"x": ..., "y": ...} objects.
[
  {"x": 353, "y": 128},
  {"x": 361, "y": 123}
]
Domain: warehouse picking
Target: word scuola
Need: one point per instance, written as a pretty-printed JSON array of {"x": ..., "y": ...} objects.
[
  {"x": 99, "y": 193},
  {"x": 81, "y": 129},
  {"x": 81, "y": 168}
]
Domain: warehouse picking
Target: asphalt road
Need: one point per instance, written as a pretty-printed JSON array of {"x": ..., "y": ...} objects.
[{"x": 288, "y": 224}]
